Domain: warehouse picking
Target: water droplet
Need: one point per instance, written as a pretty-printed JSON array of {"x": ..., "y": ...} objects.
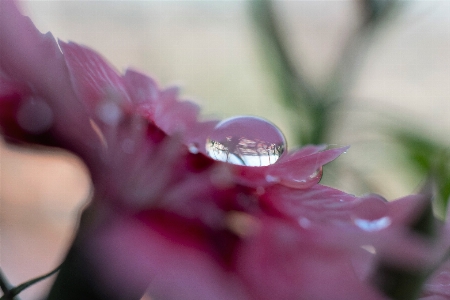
[
  {"x": 370, "y": 214},
  {"x": 304, "y": 222},
  {"x": 272, "y": 179},
  {"x": 35, "y": 116},
  {"x": 373, "y": 225},
  {"x": 370, "y": 207},
  {"x": 109, "y": 112},
  {"x": 304, "y": 182},
  {"x": 248, "y": 141},
  {"x": 193, "y": 148}
]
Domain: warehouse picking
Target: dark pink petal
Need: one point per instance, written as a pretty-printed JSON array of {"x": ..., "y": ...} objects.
[{"x": 131, "y": 256}]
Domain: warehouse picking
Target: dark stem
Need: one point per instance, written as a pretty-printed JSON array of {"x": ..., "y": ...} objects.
[{"x": 5, "y": 286}]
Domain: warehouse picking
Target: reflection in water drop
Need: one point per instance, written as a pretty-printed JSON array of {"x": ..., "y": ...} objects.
[
  {"x": 248, "y": 141},
  {"x": 35, "y": 116},
  {"x": 373, "y": 225}
]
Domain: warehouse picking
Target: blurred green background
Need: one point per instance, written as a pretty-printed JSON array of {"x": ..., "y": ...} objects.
[{"x": 371, "y": 74}]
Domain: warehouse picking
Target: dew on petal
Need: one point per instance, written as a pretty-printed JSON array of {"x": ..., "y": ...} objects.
[
  {"x": 370, "y": 214},
  {"x": 193, "y": 148},
  {"x": 35, "y": 116},
  {"x": 272, "y": 179},
  {"x": 109, "y": 112},
  {"x": 373, "y": 225},
  {"x": 248, "y": 141},
  {"x": 304, "y": 222},
  {"x": 370, "y": 207},
  {"x": 304, "y": 182}
]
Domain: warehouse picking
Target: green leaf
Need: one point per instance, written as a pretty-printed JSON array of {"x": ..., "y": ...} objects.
[{"x": 431, "y": 158}]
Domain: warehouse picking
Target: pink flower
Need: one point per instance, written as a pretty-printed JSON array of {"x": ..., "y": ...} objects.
[{"x": 175, "y": 222}]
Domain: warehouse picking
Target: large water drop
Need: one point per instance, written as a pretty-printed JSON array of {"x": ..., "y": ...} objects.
[{"x": 245, "y": 140}]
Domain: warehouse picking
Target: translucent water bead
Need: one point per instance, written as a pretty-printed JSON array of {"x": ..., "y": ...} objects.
[{"x": 245, "y": 140}]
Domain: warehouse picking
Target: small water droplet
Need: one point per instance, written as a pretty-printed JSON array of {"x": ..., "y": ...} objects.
[
  {"x": 109, "y": 112},
  {"x": 370, "y": 214},
  {"x": 304, "y": 182},
  {"x": 304, "y": 222},
  {"x": 193, "y": 148},
  {"x": 370, "y": 207},
  {"x": 248, "y": 141},
  {"x": 35, "y": 116},
  {"x": 272, "y": 179},
  {"x": 373, "y": 225}
]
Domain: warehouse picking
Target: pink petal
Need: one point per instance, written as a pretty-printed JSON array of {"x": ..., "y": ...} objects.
[
  {"x": 143, "y": 91},
  {"x": 283, "y": 262},
  {"x": 131, "y": 256},
  {"x": 304, "y": 151},
  {"x": 93, "y": 78},
  {"x": 35, "y": 60},
  {"x": 317, "y": 204},
  {"x": 303, "y": 171},
  {"x": 172, "y": 115}
]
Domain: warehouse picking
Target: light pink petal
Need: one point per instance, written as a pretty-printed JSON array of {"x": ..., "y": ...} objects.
[
  {"x": 318, "y": 204},
  {"x": 438, "y": 286},
  {"x": 93, "y": 78},
  {"x": 303, "y": 171},
  {"x": 143, "y": 91},
  {"x": 172, "y": 115},
  {"x": 178, "y": 117},
  {"x": 35, "y": 60},
  {"x": 283, "y": 262},
  {"x": 304, "y": 151}
]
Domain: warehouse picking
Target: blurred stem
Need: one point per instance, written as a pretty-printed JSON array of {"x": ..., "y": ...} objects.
[
  {"x": 375, "y": 14},
  {"x": 296, "y": 92},
  {"x": 11, "y": 292},
  {"x": 6, "y": 287},
  {"x": 314, "y": 105}
]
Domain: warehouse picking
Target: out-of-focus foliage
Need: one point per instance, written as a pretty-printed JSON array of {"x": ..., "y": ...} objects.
[
  {"x": 313, "y": 105},
  {"x": 430, "y": 158}
]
